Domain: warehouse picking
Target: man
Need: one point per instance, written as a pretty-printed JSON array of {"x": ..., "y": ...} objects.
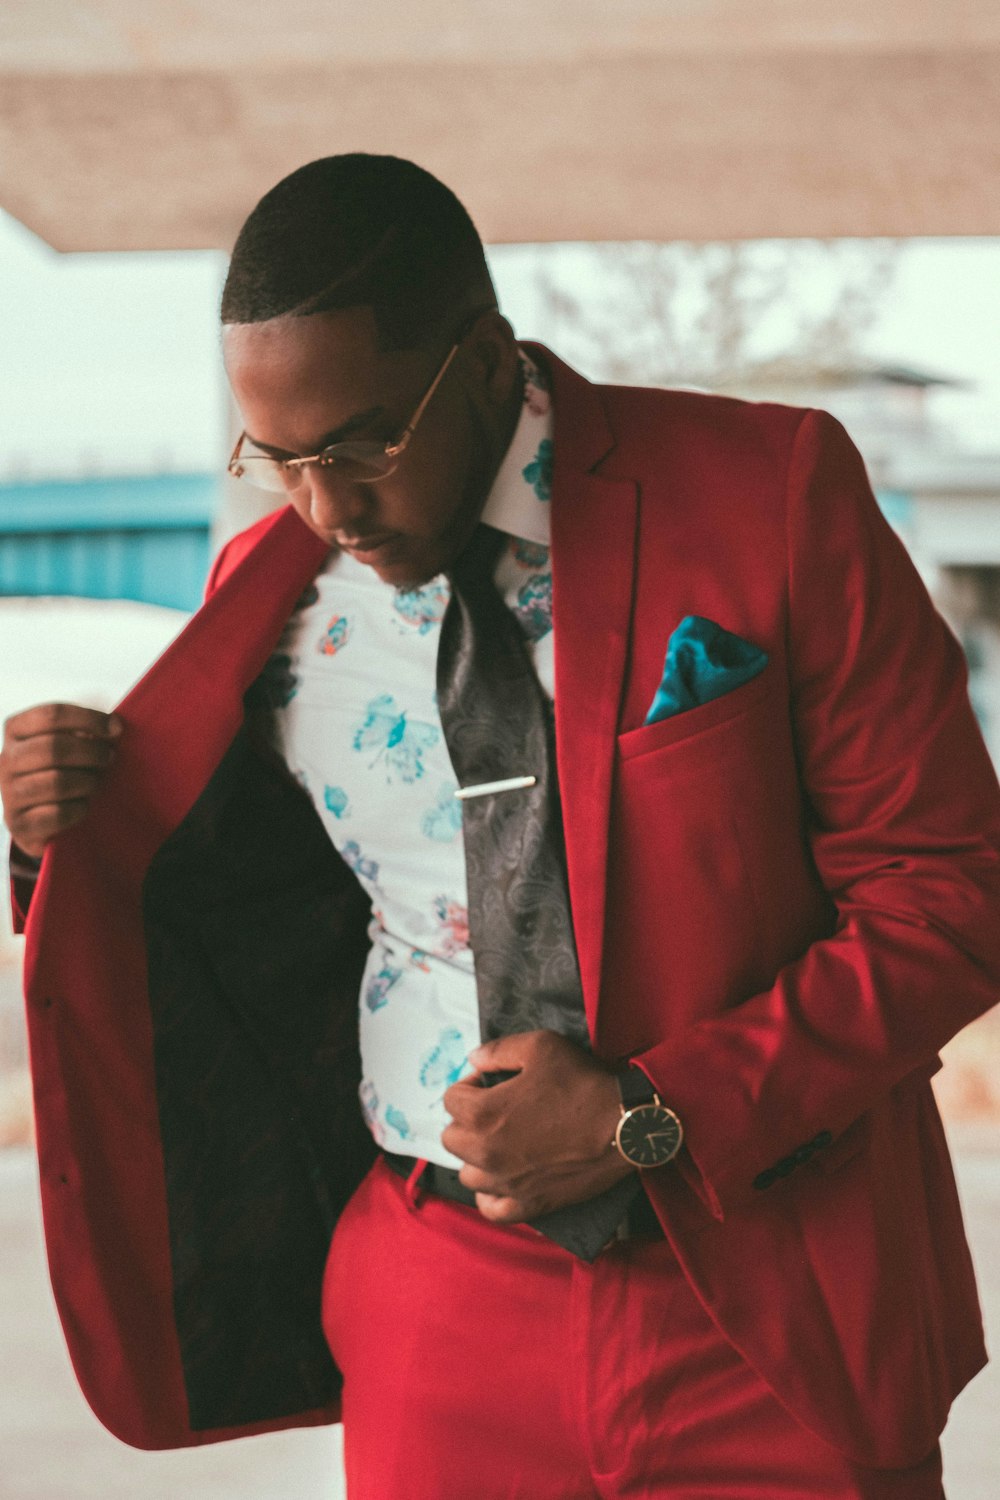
[{"x": 643, "y": 1193}]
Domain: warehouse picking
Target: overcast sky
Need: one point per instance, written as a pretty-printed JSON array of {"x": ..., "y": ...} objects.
[{"x": 112, "y": 361}]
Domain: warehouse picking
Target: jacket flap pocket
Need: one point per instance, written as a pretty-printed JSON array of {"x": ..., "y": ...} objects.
[{"x": 692, "y": 721}]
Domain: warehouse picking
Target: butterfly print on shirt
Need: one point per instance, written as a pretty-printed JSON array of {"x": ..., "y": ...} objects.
[
  {"x": 421, "y": 608},
  {"x": 533, "y": 607},
  {"x": 358, "y": 862},
  {"x": 369, "y": 1108},
  {"x": 453, "y": 922},
  {"x": 444, "y": 1063},
  {"x": 335, "y": 637},
  {"x": 444, "y": 820},
  {"x": 377, "y": 989},
  {"x": 398, "y": 1122},
  {"x": 539, "y": 472},
  {"x": 336, "y": 800},
  {"x": 397, "y": 741}
]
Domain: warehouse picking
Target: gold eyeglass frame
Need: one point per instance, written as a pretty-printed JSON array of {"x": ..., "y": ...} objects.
[{"x": 329, "y": 455}]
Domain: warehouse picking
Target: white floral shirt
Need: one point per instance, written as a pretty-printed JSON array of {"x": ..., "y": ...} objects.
[{"x": 355, "y": 671}]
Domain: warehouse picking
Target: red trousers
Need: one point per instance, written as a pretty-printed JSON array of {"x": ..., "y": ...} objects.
[{"x": 486, "y": 1363}]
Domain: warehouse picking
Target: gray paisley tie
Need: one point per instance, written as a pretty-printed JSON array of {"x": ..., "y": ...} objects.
[{"x": 498, "y": 724}]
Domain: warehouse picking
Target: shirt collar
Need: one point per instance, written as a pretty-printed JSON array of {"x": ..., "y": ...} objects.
[{"x": 518, "y": 501}]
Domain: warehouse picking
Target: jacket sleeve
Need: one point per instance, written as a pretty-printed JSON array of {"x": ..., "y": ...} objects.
[{"x": 903, "y": 822}]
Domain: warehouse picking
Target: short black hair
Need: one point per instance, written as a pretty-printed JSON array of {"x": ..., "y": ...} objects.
[{"x": 361, "y": 230}]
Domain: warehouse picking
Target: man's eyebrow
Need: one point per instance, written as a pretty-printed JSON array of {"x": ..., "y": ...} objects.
[{"x": 360, "y": 419}]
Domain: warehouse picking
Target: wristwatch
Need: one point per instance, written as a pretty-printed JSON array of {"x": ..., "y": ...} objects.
[{"x": 649, "y": 1134}]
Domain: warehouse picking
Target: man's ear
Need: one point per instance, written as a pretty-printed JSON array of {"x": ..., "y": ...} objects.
[{"x": 493, "y": 357}]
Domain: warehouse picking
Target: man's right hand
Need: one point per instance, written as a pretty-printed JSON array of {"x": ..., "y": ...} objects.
[{"x": 51, "y": 765}]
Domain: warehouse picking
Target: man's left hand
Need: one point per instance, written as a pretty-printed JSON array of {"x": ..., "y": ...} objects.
[{"x": 541, "y": 1139}]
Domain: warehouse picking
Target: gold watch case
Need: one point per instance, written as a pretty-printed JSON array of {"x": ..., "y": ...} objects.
[{"x": 649, "y": 1135}]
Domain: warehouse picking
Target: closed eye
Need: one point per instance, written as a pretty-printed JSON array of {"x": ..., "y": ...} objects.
[
  {"x": 355, "y": 427},
  {"x": 276, "y": 453}
]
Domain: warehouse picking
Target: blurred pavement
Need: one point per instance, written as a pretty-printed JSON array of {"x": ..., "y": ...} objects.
[
  {"x": 54, "y": 1449},
  {"x": 52, "y": 1446}
]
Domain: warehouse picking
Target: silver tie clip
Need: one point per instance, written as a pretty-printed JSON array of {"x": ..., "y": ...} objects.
[{"x": 512, "y": 784}]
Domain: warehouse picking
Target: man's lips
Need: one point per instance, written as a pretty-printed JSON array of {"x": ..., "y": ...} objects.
[{"x": 369, "y": 546}]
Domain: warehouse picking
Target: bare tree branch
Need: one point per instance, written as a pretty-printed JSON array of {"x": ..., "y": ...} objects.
[{"x": 668, "y": 314}]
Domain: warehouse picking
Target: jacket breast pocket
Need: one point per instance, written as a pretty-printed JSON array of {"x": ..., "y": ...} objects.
[
  {"x": 680, "y": 888},
  {"x": 705, "y": 873},
  {"x": 706, "y": 723}
]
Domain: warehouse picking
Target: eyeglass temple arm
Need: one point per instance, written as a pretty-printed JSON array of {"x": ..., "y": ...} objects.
[{"x": 408, "y": 430}]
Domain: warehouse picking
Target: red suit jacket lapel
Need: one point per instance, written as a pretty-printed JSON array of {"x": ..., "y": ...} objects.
[{"x": 593, "y": 529}]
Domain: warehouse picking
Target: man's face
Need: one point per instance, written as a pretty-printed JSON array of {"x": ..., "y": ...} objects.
[{"x": 304, "y": 383}]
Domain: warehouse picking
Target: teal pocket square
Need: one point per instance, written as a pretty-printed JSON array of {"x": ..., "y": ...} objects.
[{"x": 703, "y": 661}]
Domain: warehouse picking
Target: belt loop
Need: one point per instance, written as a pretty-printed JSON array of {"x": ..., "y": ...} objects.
[{"x": 414, "y": 1192}]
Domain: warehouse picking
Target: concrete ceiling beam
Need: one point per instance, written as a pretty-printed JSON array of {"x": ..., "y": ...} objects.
[{"x": 691, "y": 137}]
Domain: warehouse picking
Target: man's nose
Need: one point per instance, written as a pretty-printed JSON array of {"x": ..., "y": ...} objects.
[{"x": 337, "y": 504}]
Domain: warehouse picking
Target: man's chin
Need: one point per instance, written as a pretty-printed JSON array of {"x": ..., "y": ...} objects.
[
  {"x": 406, "y": 572},
  {"x": 404, "y": 576}
]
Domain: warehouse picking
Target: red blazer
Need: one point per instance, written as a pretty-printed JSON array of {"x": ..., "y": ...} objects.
[{"x": 786, "y": 900}]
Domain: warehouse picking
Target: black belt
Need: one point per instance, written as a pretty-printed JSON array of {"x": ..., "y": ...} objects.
[
  {"x": 433, "y": 1179},
  {"x": 639, "y": 1223}
]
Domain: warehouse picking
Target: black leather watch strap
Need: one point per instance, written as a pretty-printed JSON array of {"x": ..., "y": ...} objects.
[{"x": 634, "y": 1087}]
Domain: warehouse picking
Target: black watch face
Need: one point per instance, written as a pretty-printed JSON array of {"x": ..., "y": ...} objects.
[{"x": 649, "y": 1135}]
